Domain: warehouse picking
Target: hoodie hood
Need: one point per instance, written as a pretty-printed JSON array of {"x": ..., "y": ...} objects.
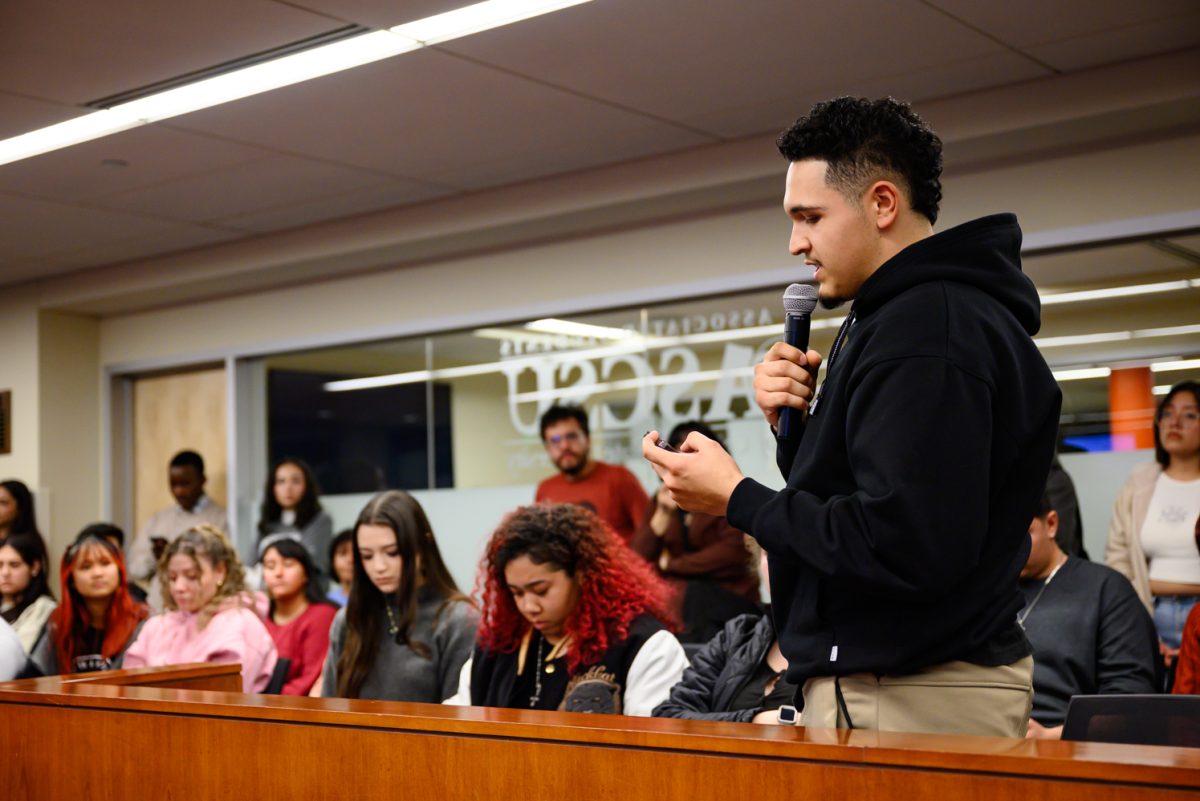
[{"x": 983, "y": 253}]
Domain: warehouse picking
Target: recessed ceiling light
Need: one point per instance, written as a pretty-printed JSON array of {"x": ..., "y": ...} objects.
[
  {"x": 1052, "y": 298},
  {"x": 1179, "y": 364},
  {"x": 286, "y": 70}
]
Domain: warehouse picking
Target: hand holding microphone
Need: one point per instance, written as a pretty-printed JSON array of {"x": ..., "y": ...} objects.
[{"x": 784, "y": 381}]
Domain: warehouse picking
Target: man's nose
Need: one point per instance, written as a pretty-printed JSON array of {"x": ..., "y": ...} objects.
[{"x": 799, "y": 243}]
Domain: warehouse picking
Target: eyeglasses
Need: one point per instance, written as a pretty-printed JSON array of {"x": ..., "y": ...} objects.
[
  {"x": 559, "y": 439},
  {"x": 1187, "y": 417}
]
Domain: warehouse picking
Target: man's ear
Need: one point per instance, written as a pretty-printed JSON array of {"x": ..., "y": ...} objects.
[
  {"x": 882, "y": 204},
  {"x": 1052, "y": 523}
]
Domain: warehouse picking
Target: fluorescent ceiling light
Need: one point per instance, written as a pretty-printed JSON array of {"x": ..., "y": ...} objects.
[
  {"x": 1161, "y": 389},
  {"x": 1116, "y": 336},
  {"x": 1081, "y": 373},
  {"x": 474, "y": 19},
  {"x": 568, "y": 328},
  {"x": 1181, "y": 364},
  {"x": 276, "y": 73},
  {"x": 1116, "y": 292}
]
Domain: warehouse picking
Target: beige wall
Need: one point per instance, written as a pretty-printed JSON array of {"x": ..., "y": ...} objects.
[
  {"x": 19, "y": 373},
  {"x": 69, "y": 391},
  {"x": 1069, "y": 190}
]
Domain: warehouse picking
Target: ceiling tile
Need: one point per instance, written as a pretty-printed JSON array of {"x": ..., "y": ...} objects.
[
  {"x": 1121, "y": 44},
  {"x": 345, "y": 204},
  {"x": 251, "y": 186},
  {"x": 1021, "y": 23},
  {"x": 380, "y": 13},
  {"x": 427, "y": 114},
  {"x": 142, "y": 156},
  {"x": 33, "y": 228},
  {"x": 666, "y": 59},
  {"x": 777, "y": 113},
  {"x": 20, "y": 115},
  {"x": 76, "y": 52}
]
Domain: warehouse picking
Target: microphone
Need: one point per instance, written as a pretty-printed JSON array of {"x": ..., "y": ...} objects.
[{"x": 799, "y": 300}]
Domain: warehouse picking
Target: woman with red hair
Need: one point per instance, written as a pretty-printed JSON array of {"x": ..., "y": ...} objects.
[
  {"x": 572, "y": 620},
  {"x": 97, "y": 619}
]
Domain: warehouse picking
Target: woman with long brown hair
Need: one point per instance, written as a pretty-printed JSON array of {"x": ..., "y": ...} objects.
[
  {"x": 406, "y": 629},
  {"x": 97, "y": 619}
]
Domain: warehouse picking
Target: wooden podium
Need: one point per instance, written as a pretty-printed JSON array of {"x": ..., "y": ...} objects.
[{"x": 187, "y": 732}]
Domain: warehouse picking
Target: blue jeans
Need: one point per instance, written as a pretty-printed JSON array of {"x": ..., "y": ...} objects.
[{"x": 1170, "y": 613}]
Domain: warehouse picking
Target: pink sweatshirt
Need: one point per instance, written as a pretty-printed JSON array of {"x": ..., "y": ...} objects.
[{"x": 235, "y": 634}]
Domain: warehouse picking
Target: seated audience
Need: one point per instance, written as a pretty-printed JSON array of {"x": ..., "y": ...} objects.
[
  {"x": 703, "y": 557},
  {"x": 12, "y": 655},
  {"x": 407, "y": 629},
  {"x": 210, "y": 616},
  {"x": 738, "y": 676},
  {"x": 97, "y": 620},
  {"x": 341, "y": 566},
  {"x": 192, "y": 508},
  {"x": 290, "y": 505},
  {"x": 299, "y": 616},
  {"x": 16, "y": 509},
  {"x": 25, "y": 599},
  {"x": 1187, "y": 669},
  {"x": 1090, "y": 633},
  {"x": 573, "y": 620},
  {"x": 1150, "y": 536}
]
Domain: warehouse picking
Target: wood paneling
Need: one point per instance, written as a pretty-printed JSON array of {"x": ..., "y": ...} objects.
[
  {"x": 180, "y": 411},
  {"x": 209, "y": 745}
]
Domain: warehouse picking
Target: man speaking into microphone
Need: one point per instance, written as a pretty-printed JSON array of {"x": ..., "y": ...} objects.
[{"x": 914, "y": 469}]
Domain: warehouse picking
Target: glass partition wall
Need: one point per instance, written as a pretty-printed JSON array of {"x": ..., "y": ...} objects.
[{"x": 453, "y": 416}]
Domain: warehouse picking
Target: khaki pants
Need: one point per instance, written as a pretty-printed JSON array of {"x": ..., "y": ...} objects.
[{"x": 950, "y": 698}]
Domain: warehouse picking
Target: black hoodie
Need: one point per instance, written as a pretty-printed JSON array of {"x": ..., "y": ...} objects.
[{"x": 903, "y": 527}]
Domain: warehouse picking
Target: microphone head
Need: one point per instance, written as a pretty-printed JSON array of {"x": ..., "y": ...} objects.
[{"x": 800, "y": 299}]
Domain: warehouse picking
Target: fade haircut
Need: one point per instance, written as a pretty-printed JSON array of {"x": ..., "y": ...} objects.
[{"x": 863, "y": 141}]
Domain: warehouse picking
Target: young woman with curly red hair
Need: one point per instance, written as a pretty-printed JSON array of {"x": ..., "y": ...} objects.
[
  {"x": 97, "y": 619},
  {"x": 572, "y": 620}
]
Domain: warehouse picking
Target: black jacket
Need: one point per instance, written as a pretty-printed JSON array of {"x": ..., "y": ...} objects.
[
  {"x": 719, "y": 671},
  {"x": 899, "y": 537}
]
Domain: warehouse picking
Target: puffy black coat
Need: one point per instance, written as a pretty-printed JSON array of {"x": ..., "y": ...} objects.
[{"x": 719, "y": 671}]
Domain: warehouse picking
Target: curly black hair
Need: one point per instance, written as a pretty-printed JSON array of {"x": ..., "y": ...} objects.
[{"x": 867, "y": 140}]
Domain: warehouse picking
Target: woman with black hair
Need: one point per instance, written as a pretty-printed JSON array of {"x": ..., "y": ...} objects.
[
  {"x": 16, "y": 509},
  {"x": 25, "y": 599},
  {"x": 406, "y": 630},
  {"x": 299, "y": 616},
  {"x": 290, "y": 504},
  {"x": 341, "y": 567},
  {"x": 98, "y": 618}
]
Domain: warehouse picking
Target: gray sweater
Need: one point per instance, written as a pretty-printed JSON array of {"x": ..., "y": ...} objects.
[{"x": 401, "y": 674}]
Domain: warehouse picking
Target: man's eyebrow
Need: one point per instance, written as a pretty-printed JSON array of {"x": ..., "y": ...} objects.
[{"x": 804, "y": 209}]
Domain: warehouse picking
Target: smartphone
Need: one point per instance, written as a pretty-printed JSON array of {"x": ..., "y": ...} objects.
[{"x": 666, "y": 446}]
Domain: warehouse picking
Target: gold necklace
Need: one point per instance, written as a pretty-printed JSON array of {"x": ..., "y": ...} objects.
[
  {"x": 555, "y": 653},
  {"x": 393, "y": 626}
]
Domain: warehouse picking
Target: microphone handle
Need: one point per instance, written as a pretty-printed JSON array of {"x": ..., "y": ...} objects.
[{"x": 795, "y": 333}]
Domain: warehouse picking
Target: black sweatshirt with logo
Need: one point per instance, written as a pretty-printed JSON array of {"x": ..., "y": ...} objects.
[{"x": 899, "y": 538}]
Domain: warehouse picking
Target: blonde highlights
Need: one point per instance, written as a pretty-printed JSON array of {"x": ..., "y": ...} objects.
[{"x": 211, "y": 544}]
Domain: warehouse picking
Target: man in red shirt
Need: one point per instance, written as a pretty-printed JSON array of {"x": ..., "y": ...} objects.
[{"x": 609, "y": 490}]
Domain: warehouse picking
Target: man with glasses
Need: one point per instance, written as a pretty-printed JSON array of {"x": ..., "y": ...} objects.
[{"x": 609, "y": 490}]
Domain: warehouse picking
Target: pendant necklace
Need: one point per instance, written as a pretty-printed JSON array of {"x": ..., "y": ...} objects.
[
  {"x": 393, "y": 627},
  {"x": 1025, "y": 613},
  {"x": 537, "y": 676}
]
